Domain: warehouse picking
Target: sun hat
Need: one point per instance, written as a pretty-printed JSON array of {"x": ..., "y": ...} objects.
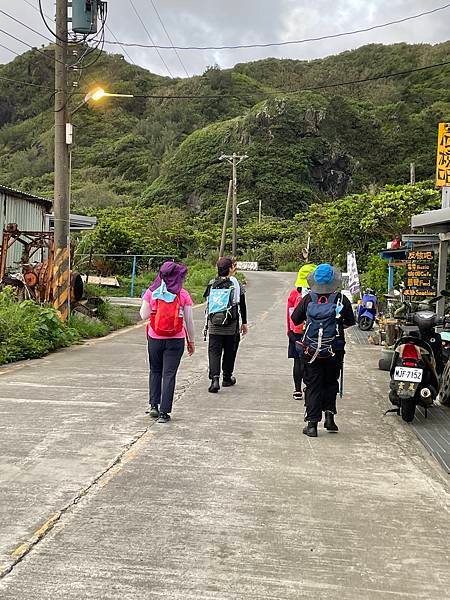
[
  {"x": 303, "y": 273},
  {"x": 325, "y": 279},
  {"x": 172, "y": 274}
]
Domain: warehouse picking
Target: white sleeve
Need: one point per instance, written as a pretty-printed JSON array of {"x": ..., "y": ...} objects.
[
  {"x": 145, "y": 310},
  {"x": 237, "y": 290},
  {"x": 189, "y": 323}
]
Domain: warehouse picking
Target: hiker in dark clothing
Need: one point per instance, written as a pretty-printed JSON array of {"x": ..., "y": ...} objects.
[
  {"x": 224, "y": 332},
  {"x": 323, "y": 310}
]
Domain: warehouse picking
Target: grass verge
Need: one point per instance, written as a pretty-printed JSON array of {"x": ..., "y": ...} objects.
[{"x": 28, "y": 330}]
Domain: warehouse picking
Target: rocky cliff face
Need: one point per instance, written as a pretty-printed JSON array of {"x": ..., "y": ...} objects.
[{"x": 291, "y": 162}]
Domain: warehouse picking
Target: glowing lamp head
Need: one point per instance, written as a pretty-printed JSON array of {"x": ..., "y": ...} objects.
[{"x": 96, "y": 94}]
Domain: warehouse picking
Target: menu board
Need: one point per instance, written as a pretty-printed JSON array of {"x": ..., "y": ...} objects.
[{"x": 419, "y": 273}]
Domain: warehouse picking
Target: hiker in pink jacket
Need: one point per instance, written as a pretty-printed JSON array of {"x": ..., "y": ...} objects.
[
  {"x": 294, "y": 331},
  {"x": 168, "y": 306}
]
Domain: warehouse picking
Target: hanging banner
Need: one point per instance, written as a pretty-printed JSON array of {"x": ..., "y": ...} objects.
[
  {"x": 443, "y": 156},
  {"x": 354, "y": 285}
]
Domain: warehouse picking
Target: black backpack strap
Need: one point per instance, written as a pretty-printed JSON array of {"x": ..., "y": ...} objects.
[{"x": 333, "y": 298}]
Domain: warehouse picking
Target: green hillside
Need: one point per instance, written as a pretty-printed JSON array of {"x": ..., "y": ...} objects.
[{"x": 302, "y": 146}]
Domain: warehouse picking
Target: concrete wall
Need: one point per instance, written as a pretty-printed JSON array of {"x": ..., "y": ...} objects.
[{"x": 29, "y": 216}]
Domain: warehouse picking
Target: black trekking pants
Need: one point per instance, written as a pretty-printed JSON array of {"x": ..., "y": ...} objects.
[
  {"x": 297, "y": 373},
  {"x": 321, "y": 378},
  {"x": 164, "y": 358},
  {"x": 226, "y": 345}
]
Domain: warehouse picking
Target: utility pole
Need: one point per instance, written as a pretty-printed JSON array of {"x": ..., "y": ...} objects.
[
  {"x": 412, "y": 173},
  {"x": 260, "y": 212},
  {"x": 234, "y": 160},
  {"x": 61, "y": 271},
  {"x": 225, "y": 219}
]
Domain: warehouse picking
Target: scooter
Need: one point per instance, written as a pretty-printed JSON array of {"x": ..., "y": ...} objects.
[
  {"x": 416, "y": 364},
  {"x": 367, "y": 311}
]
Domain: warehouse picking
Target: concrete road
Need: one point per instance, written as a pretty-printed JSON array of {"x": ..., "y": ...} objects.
[{"x": 227, "y": 502}]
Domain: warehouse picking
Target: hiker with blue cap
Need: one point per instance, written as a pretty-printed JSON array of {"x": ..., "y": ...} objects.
[{"x": 325, "y": 313}]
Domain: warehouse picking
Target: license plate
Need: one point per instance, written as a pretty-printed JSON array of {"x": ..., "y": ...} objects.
[{"x": 408, "y": 374}]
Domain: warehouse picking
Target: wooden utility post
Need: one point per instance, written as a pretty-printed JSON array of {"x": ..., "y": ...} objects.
[
  {"x": 234, "y": 160},
  {"x": 412, "y": 173},
  {"x": 61, "y": 272},
  {"x": 225, "y": 219}
]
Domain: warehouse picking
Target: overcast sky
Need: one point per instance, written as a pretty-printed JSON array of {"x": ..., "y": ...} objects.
[{"x": 214, "y": 23}]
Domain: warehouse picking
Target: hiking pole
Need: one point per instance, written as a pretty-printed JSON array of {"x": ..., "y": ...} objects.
[
  {"x": 205, "y": 329},
  {"x": 341, "y": 385}
]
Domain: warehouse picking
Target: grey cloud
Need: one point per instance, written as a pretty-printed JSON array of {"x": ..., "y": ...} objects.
[{"x": 203, "y": 22}]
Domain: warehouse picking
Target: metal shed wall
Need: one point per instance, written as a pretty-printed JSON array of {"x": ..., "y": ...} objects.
[{"x": 29, "y": 216}]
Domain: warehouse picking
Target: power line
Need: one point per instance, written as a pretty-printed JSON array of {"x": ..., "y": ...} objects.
[
  {"x": 168, "y": 37},
  {"x": 124, "y": 50},
  {"x": 150, "y": 38},
  {"x": 25, "y": 25},
  {"x": 44, "y": 20},
  {"x": 36, "y": 8},
  {"x": 298, "y": 90},
  {"x": 25, "y": 82},
  {"x": 291, "y": 42},
  {"x": 9, "y": 50},
  {"x": 53, "y": 59}
]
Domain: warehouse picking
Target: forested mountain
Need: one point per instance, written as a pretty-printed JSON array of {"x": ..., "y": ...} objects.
[{"x": 303, "y": 145}]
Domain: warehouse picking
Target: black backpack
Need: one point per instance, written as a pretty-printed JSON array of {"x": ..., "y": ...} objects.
[{"x": 228, "y": 311}]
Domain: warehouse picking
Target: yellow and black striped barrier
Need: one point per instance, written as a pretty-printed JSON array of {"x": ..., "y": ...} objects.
[{"x": 61, "y": 282}]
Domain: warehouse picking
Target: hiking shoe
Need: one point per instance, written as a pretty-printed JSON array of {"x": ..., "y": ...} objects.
[
  {"x": 311, "y": 429},
  {"x": 215, "y": 385},
  {"x": 163, "y": 418},
  {"x": 329, "y": 421},
  {"x": 154, "y": 412},
  {"x": 228, "y": 381},
  {"x": 297, "y": 395}
]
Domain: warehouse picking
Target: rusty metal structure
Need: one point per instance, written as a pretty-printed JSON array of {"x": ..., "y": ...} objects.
[{"x": 34, "y": 277}]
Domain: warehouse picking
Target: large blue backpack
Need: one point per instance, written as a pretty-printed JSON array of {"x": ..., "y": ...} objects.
[
  {"x": 321, "y": 329},
  {"x": 220, "y": 306}
]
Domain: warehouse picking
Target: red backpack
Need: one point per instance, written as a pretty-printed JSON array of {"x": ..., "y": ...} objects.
[{"x": 166, "y": 319}]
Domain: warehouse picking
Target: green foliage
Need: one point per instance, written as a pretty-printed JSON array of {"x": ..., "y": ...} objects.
[
  {"x": 365, "y": 222},
  {"x": 199, "y": 275},
  {"x": 375, "y": 275},
  {"x": 28, "y": 330},
  {"x": 301, "y": 147},
  {"x": 109, "y": 318},
  {"x": 88, "y": 328}
]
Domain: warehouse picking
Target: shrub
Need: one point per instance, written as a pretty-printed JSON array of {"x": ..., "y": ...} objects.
[{"x": 28, "y": 330}]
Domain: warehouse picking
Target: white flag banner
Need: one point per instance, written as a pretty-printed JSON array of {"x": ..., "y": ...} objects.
[{"x": 353, "y": 278}]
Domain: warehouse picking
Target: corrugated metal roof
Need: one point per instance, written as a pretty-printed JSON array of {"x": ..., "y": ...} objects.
[
  {"x": 25, "y": 196},
  {"x": 77, "y": 222}
]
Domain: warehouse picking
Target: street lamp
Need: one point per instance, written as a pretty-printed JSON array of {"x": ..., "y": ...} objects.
[
  {"x": 97, "y": 94},
  {"x": 240, "y": 204}
]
